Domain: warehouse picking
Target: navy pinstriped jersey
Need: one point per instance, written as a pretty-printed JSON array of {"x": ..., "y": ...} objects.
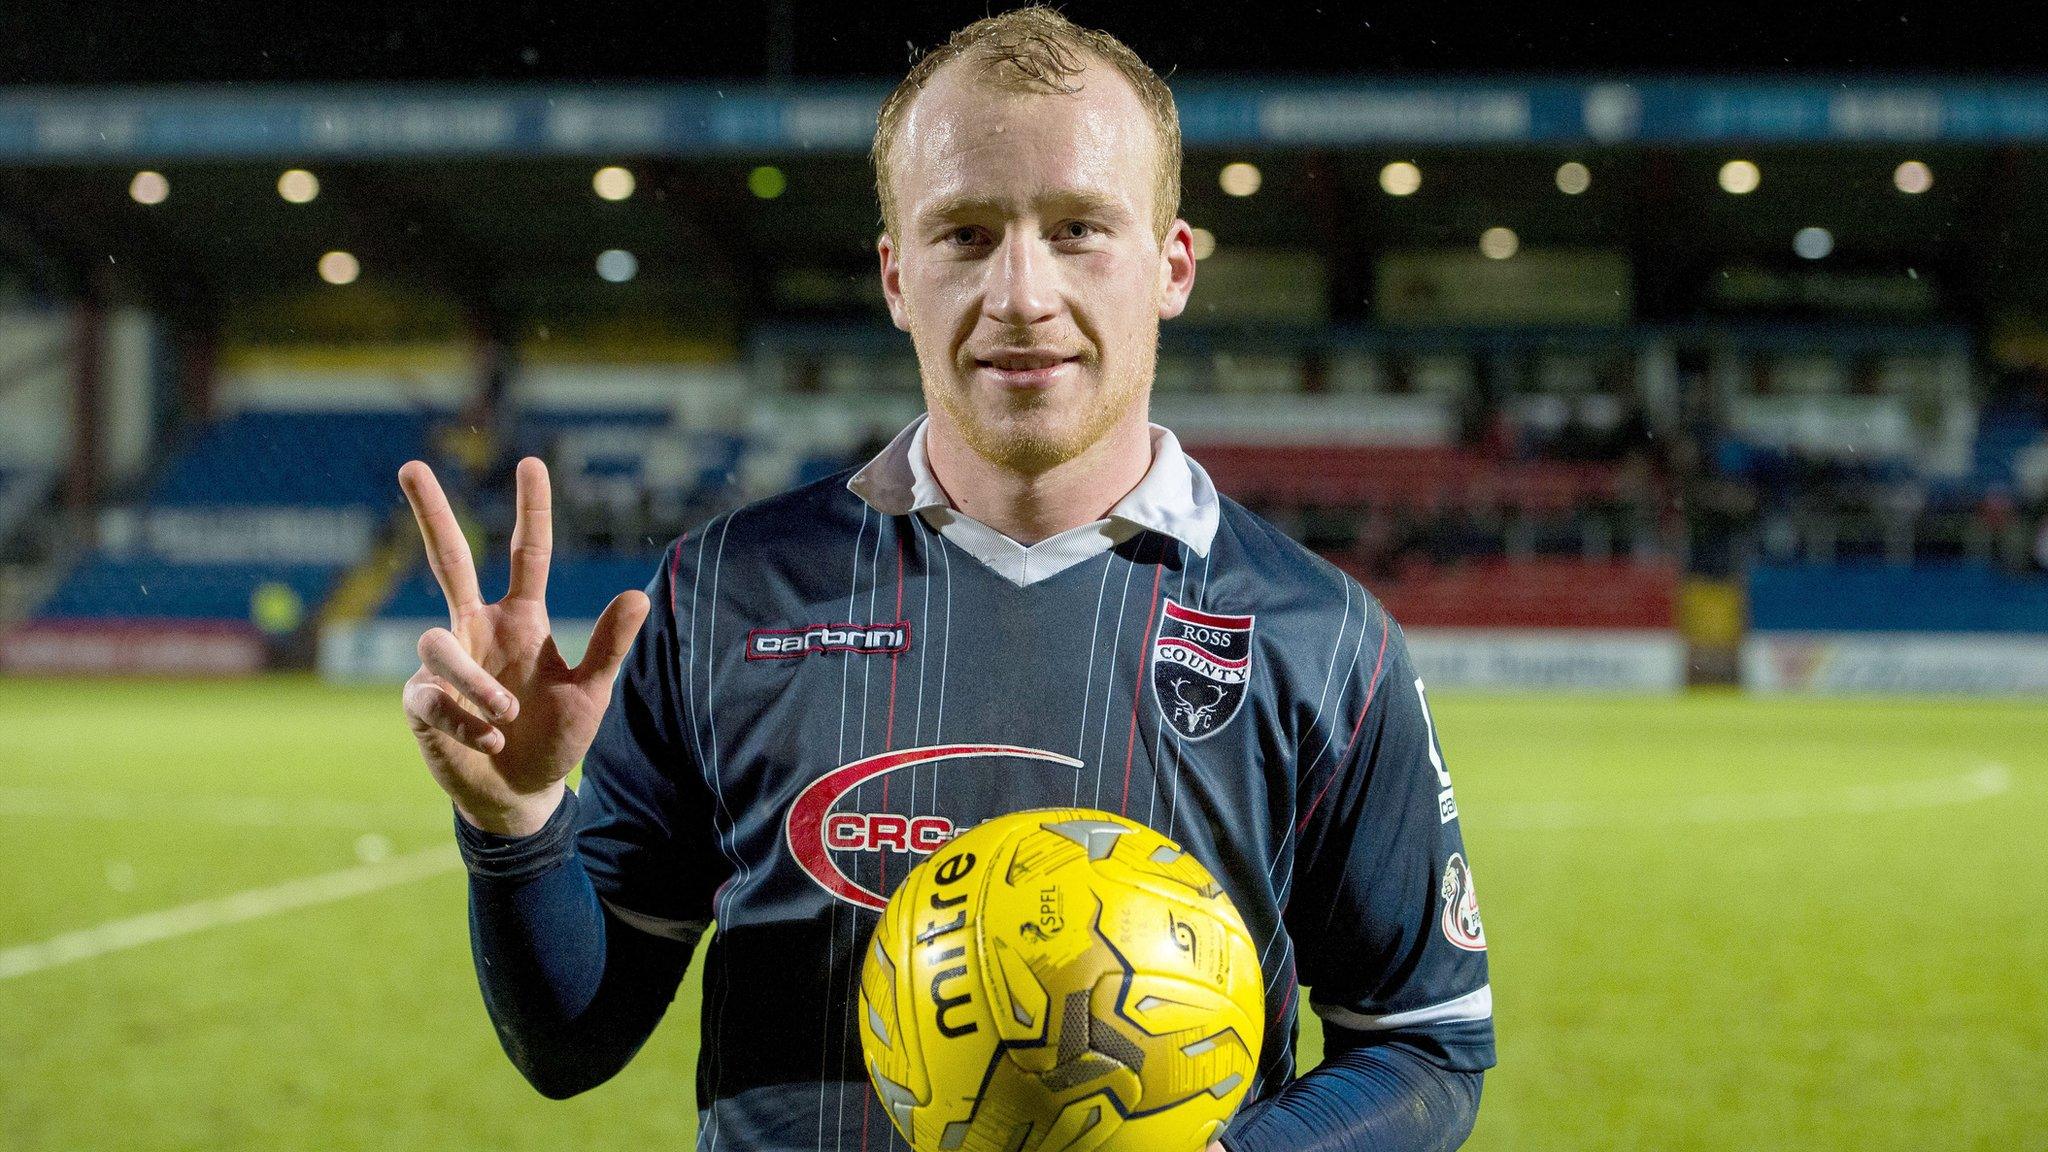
[{"x": 824, "y": 693}]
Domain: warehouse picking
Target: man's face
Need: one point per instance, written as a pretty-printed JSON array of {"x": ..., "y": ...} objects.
[{"x": 1024, "y": 264}]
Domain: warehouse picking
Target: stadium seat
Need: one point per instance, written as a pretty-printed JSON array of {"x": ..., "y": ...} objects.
[
  {"x": 295, "y": 458},
  {"x": 578, "y": 586},
  {"x": 118, "y": 590}
]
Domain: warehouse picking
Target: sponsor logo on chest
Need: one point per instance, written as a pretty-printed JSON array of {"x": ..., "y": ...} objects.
[
  {"x": 855, "y": 836},
  {"x": 854, "y": 639}
]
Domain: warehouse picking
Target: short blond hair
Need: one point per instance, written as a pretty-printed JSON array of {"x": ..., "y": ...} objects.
[{"x": 1035, "y": 49}]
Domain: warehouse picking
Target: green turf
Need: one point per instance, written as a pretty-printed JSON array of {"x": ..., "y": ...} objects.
[{"x": 1717, "y": 923}]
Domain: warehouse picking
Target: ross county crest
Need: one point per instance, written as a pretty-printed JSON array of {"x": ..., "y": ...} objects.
[{"x": 1201, "y": 664}]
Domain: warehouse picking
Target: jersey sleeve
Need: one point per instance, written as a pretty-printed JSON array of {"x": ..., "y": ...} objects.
[
  {"x": 1386, "y": 924},
  {"x": 645, "y": 830}
]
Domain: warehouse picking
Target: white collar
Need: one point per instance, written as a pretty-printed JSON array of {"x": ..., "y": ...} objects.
[{"x": 1175, "y": 498}]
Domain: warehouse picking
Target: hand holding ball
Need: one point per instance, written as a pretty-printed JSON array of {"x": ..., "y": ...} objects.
[{"x": 1061, "y": 980}]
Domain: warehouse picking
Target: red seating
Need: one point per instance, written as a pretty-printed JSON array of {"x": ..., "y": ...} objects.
[
  {"x": 1397, "y": 476},
  {"x": 1542, "y": 593}
]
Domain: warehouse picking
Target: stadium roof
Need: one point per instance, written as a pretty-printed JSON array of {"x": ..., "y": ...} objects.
[
  {"x": 206, "y": 122},
  {"x": 496, "y": 240},
  {"x": 243, "y": 41},
  {"x": 454, "y": 150}
]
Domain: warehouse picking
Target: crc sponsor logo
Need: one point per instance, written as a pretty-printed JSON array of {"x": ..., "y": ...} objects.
[
  {"x": 858, "y": 639},
  {"x": 1201, "y": 663},
  {"x": 853, "y": 842},
  {"x": 886, "y": 832},
  {"x": 1461, "y": 907}
]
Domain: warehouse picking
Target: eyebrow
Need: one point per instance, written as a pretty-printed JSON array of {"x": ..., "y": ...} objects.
[{"x": 1087, "y": 202}]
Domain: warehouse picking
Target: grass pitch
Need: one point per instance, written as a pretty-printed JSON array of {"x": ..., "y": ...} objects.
[{"x": 1716, "y": 923}]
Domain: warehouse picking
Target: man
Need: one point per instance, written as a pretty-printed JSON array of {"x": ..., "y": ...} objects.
[{"x": 1033, "y": 565}]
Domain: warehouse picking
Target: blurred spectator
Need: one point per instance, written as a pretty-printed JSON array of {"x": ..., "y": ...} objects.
[{"x": 1328, "y": 529}]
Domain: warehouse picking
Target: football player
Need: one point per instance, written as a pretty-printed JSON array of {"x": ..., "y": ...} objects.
[{"x": 1032, "y": 597}]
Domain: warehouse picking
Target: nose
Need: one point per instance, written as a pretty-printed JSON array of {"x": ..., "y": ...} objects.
[{"x": 1023, "y": 288}]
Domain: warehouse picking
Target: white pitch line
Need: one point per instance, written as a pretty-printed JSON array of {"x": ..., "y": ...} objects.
[
  {"x": 257, "y": 903},
  {"x": 1854, "y": 800},
  {"x": 233, "y": 811},
  {"x": 236, "y": 908}
]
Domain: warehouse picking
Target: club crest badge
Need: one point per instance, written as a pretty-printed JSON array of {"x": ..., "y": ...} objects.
[
  {"x": 1461, "y": 907},
  {"x": 1201, "y": 666}
]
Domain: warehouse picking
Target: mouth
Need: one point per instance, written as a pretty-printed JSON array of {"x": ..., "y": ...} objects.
[{"x": 1025, "y": 369}]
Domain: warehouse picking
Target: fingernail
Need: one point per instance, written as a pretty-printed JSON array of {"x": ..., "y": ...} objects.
[{"x": 501, "y": 707}]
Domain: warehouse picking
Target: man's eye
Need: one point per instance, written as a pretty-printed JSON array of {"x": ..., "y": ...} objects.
[
  {"x": 964, "y": 235},
  {"x": 1076, "y": 230}
]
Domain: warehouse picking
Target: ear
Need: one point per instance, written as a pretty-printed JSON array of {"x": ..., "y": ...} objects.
[
  {"x": 892, "y": 280},
  {"x": 1176, "y": 270}
]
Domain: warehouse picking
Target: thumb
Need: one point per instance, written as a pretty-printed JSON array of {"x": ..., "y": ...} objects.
[{"x": 613, "y": 637}]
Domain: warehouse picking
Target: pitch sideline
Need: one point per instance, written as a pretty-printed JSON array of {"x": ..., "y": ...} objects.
[
  {"x": 1981, "y": 783},
  {"x": 230, "y": 811},
  {"x": 257, "y": 903},
  {"x": 235, "y": 908}
]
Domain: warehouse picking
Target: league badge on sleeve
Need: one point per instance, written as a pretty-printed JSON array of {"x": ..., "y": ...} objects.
[
  {"x": 1461, "y": 907},
  {"x": 1201, "y": 664}
]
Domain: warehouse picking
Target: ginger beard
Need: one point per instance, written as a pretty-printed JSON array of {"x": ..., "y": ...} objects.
[
  {"x": 1034, "y": 431},
  {"x": 1058, "y": 253}
]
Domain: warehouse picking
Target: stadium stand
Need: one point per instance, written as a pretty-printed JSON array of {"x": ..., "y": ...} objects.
[
  {"x": 1400, "y": 476},
  {"x": 1895, "y": 598},
  {"x": 2009, "y": 443},
  {"x": 1502, "y": 479},
  {"x": 246, "y": 530},
  {"x": 578, "y": 586},
  {"x": 1541, "y": 593},
  {"x": 294, "y": 459},
  {"x": 155, "y": 589},
  {"x": 22, "y": 492}
]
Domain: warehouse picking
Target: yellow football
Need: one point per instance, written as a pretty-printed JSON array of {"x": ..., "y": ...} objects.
[{"x": 1061, "y": 980}]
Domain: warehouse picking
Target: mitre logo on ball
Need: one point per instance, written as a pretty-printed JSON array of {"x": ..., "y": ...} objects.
[{"x": 1201, "y": 663}]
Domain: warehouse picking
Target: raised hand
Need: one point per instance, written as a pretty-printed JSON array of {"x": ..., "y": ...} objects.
[{"x": 501, "y": 719}]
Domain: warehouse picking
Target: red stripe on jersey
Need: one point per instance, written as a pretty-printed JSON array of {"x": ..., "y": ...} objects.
[
  {"x": 1372, "y": 687},
  {"x": 889, "y": 744},
  {"x": 1138, "y": 686},
  {"x": 1293, "y": 984}
]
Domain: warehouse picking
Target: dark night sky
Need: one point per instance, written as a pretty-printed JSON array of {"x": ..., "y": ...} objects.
[{"x": 44, "y": 42}]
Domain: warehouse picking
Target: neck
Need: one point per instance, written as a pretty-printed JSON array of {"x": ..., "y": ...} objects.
[{"x": 1032, "y": 506}]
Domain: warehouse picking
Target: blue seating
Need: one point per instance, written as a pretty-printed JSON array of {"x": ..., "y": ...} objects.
[
  {"x": 1883, "y": 597},
  {"x": 305, "y": 458},
  {"x": 2002, "y": 433},
  {"x": 251, "y": 460},
  {"x": 715, "y": 455},
  {"x": 815, "y": 468},
  {"x": 578, "y": 586},
  {"x": 537, "y": 430},
  {"x": 149, "y": 589}
]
